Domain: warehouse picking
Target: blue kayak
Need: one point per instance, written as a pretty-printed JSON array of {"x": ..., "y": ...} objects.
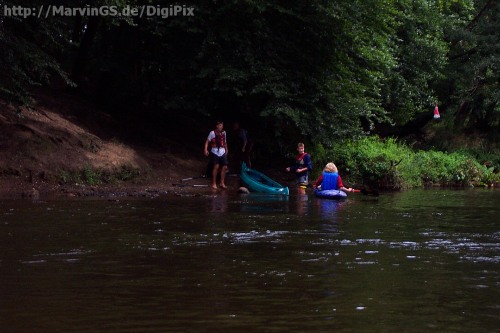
[
  {"x": 330, "y": 194},
  {"x": 258, "y": 182}
]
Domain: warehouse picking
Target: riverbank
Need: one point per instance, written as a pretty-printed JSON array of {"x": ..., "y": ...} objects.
[
  {"x": 15, "y": 188},
  {"x": 67, "y": 146}
]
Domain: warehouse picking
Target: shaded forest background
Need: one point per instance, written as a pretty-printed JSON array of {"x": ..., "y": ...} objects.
[{"x": 314, "y": 71}]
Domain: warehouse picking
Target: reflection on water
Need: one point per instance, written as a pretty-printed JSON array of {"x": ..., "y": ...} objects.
[
  {"x": 328, "y": 208},
  {"x": 302, "y": 204},
  {"x": 261, "y": 203},
  {"x": 423, "y": 260},
  {"x": 219, "y": 203}
]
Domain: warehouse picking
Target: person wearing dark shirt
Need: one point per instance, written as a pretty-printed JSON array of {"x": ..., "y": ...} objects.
[
  {"x": 301, "y": 168},
  {"x": 243, "y": 153}
]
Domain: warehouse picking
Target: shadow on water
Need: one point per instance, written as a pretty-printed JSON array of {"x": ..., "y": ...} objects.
[{"x": 261, "y": 203}]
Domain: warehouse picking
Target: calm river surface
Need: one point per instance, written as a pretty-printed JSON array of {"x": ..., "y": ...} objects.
[{"x": 417, "y": 261}]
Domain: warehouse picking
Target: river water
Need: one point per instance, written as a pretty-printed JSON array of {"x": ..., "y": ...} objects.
[{"x": 415, "y": 261}]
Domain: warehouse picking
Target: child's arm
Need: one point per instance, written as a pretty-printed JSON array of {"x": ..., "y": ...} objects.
[
  {"x": 318, "y": 181},
  {"x": 308, "y": 162},
  {"x": 340, "y": 185},
  {"x": 225, "y": 143},
  {"x": 307, "y": 165}
]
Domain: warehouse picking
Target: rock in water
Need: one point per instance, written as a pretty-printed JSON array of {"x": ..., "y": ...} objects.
[{"x": 243, "y": 190}]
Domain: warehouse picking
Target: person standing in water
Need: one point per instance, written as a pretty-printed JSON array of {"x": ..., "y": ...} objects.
[
  {"x": 218, "y": 153},
  {"x": 301, "y": 168}
]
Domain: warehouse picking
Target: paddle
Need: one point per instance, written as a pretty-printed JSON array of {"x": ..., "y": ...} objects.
[
  {"x": 367, "y": 192},
  {"x": 203, "y": 176},
  {"x": 363, "y": 189},
  {"x": 190, "y": 178},
  {"x": 190, "y": 185}
]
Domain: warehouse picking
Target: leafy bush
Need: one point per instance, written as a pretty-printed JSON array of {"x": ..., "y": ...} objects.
[
  {"x": 448, "y": 169},
  {"x": 393, "y": 165},
  {"x": 92, "y": 176},
  {"x": 66, "y": 177}
]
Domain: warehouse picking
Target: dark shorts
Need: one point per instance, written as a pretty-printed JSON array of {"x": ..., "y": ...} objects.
[
  {"x": 220, "y": 160},
  {"x": 302, "y": 181}
]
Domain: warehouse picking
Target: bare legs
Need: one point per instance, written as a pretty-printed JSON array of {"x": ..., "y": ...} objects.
[
  {"x": 215, "y": 171},
  {"x": 223, "y": 176}
]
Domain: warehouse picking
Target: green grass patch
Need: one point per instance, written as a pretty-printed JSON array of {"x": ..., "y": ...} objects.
[
  {"x": 394, "y": 165},
  {"x": 95, "y": 176}
]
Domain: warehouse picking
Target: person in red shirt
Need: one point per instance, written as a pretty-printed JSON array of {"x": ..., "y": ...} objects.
[{"x": 330, "y": 179}]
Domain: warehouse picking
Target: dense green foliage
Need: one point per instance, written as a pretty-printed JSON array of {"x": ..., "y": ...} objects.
[
  {"x": 314, "y": 71},
  {"x": 474, "y": 67},
  {"x": 393, "y": 165},
  {"x": 28, "y": 55},
  {"x": 421, "y": 53}
]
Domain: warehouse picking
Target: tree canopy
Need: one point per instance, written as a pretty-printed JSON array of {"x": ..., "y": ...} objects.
[{"x": 303, "y": 70}]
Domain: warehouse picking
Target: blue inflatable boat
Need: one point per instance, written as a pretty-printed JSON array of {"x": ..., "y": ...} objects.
[{"x": 330, "y": 194}]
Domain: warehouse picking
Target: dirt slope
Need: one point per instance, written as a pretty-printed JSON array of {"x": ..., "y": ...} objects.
[{"x": 64, "y": 141}]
